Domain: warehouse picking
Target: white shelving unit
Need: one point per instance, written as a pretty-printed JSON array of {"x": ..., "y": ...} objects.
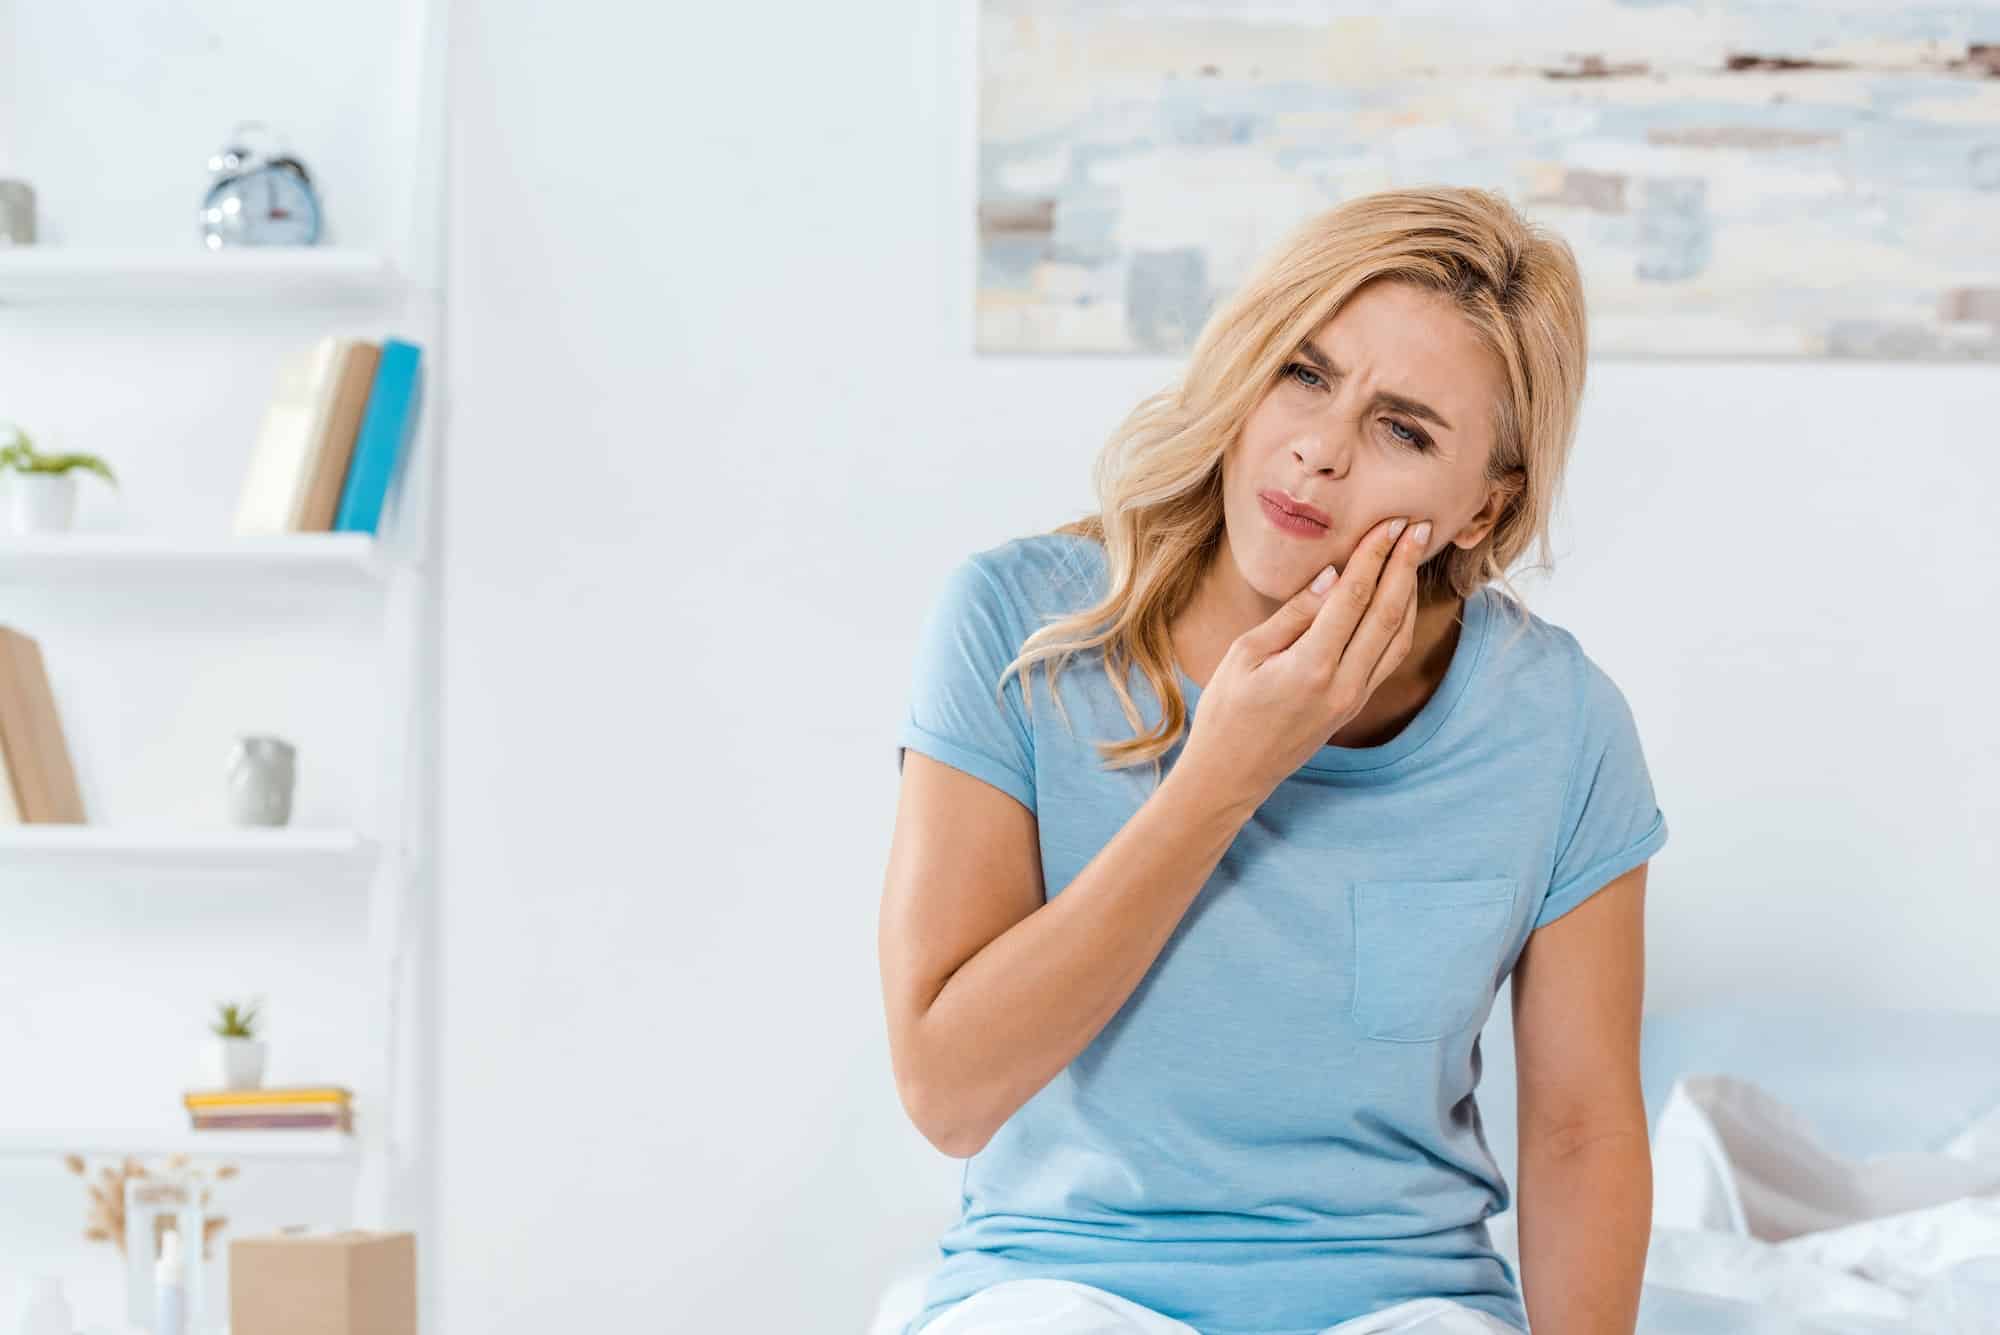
[
  {"x": 387, "y": 861},
  {"x": 134, "y": 559},
  {"x": 277, "y": 1146},
  {"x": 280, "y": 854},
  {"x": 45, "y": 275}
]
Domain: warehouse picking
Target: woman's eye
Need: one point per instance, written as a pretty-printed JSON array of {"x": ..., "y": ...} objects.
[
  {"x": 1414, "y": 437},
  {"x": 1311, "y": 379}
]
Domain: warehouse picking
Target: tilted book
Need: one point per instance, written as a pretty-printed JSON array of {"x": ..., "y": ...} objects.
[
  {"x": 386, "y": 428},
  {"x": 295, "y": 419},
  {"x": 335, "y": 446},
  {"x": 37, "y": 756}
]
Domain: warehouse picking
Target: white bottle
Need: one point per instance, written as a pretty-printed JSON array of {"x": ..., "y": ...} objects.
[
  {"x": 48, "y": 1311},
  {"x": 170, "y": 1287}
]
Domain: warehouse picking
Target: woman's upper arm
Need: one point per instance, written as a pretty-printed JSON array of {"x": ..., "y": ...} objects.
[
  {"x": 964, "y": 866},
  {"x": 1578, "y": 993},
  {"x": 965, "y": 856}
]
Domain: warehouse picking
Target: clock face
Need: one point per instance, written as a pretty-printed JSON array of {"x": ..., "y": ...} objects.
[{"x": 270, "y": 206}]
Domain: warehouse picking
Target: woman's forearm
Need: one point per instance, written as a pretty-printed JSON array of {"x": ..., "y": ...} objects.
[
  {"x": 1586, "y": 1212},
  {"x": 1016, "y": 1013}
]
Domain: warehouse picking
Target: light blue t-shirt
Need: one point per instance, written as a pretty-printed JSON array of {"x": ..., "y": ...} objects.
[{"x": 1277, "y": 1131}]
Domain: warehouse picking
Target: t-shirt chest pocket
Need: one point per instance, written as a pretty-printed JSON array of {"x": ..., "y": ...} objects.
[{"x": 1425, "y": 954}]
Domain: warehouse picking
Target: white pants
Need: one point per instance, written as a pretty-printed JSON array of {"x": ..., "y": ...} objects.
[{"x": 1066, "y": 1307}]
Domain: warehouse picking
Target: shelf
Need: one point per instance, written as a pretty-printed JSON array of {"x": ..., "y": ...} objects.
[
  {"x": 124, "y": 558},
  {"x": 278, "y": 1144},
  {"x": 293, "y": 275},
  {"x": 277, "y": 851}
]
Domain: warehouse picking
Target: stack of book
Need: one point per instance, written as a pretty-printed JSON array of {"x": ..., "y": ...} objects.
[
  {"x": 37, "y": 781},
  {"x": 333, "y": 431},
  {"x": 297, "y": 1107}
]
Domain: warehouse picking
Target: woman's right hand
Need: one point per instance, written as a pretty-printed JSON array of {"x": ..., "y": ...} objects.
[{"x": 1288, "y": 685}]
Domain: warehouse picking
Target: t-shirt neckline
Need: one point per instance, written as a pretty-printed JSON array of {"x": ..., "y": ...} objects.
[{"x": 1465, "y": 656}]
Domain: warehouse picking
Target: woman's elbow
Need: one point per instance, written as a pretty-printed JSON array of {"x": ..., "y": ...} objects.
[{"x": 942, "y": 1121}]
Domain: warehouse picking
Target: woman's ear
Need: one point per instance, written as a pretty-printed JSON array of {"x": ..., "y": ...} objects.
[{"x": 1499, "y": 495}]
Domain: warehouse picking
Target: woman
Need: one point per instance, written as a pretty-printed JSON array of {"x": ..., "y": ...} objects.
[{"x": 1208, "y": 1042}]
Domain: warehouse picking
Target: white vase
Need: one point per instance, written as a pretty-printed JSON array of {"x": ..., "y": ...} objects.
[
  {"x": 235, "y": 1063},
  {"x": 258, "y": 780},
  {"x": 42, "y": 502}
]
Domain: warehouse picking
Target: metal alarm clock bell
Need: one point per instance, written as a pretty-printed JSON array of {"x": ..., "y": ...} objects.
[{"x": 260, "y": 195}]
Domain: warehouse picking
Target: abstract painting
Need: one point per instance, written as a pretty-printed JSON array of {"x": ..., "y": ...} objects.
[{"x": 1737, "y": 178}]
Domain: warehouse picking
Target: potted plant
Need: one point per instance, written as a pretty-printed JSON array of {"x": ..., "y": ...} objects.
[
  {"x": 44, "y": 485},
  {"x": 235, "y": 1054}
]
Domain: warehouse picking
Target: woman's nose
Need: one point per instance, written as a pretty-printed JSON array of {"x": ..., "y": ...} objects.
[{"x": 1323, "y": 452}]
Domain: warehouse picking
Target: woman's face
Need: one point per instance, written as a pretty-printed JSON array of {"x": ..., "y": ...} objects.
[{"x": 1386, "y": 410}]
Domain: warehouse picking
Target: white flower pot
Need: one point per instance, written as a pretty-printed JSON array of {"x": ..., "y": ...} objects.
[
  {"x": 235, "y": 1063},
  {"x": 42, "y": 502}
]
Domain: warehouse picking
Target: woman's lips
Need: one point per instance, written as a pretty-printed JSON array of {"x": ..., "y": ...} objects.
[
  {"x": 1291, "y": 504},
  {"x": 1285, "y": 521}
]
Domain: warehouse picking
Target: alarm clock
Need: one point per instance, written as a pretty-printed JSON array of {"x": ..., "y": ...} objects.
[{"x": 258, "y": 195}]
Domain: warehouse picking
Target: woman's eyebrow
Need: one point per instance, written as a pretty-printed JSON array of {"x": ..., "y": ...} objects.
[{"x": 1401, "y": 402}]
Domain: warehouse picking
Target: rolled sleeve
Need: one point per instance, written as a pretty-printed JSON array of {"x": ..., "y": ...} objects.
[
  {"x": 1610, "y": 821},
  {"x": 959, "y": 713}
]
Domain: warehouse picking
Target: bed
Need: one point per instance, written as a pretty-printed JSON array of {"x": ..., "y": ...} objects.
[{"x": 1879, "y": 1128}]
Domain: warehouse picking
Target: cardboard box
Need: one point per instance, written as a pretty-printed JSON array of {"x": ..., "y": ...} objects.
[{"x": 295, "y": 1282}]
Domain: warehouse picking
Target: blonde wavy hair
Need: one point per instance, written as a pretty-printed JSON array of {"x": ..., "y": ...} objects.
[{"x": 1158, "y": 478}]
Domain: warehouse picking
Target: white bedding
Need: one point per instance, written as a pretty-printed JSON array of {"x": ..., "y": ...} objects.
[{"x": 1749, "y": 1204}]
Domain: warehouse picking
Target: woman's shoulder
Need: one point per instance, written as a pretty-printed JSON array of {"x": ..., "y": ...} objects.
[
  {"x": 1525, "y": 649},
  {"x": 1530, "y": 650},
  {"x": 1044, "y": 573}
]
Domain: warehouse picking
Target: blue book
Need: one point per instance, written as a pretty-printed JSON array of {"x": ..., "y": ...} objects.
[{"x": 384, "y": 437}]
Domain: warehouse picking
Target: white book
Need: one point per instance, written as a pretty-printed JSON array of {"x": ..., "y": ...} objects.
[{"x": 281, "y": 463}]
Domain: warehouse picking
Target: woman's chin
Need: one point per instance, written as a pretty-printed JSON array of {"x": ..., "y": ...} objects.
[
  {"x": 1284, "y": 572},
  {"x": 1284, "y": 585}
]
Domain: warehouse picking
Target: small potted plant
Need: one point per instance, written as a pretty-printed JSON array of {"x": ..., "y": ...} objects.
[
  {"x": 44, "y": 485},
  {"x": 235, "y": 1054}
]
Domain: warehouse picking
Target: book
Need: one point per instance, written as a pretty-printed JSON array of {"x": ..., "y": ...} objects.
[
  {"x": 41, "y": 777},
  {"x": 271, "y": 1121},
  {"x": 334, "y": 446},
  {"x": 216, "y": 1098},
  {"x": 316, "y": 1107},
  {"x": 386, "y": 428},
  {"x": 295, "y": 418}
]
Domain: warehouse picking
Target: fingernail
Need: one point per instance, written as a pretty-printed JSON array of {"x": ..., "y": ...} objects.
[
  {"x": 1396, "y": 528},
  {"x": 1422, "y": 534},
  {"x": 1323, "y": 580}
]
